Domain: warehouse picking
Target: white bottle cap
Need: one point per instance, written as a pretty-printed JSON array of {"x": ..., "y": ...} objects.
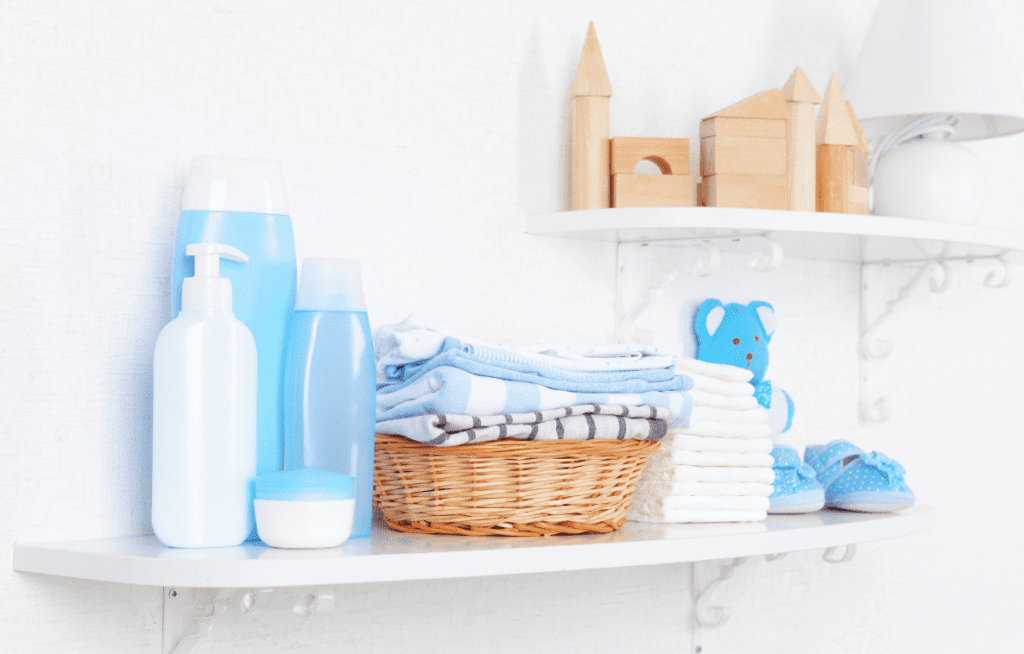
[
  {"x": 207, "y": 290},
  {"x": 235, "y": 184},
  {"x": 330, "y": 285}
]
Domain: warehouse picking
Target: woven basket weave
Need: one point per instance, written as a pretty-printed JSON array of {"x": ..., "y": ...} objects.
[{"x": 507, "y": 488}]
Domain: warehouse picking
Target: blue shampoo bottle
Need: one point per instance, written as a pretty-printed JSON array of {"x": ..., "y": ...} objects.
[
  {"x": 242, "y": 203},
  {"x": 330, "y": 386}
]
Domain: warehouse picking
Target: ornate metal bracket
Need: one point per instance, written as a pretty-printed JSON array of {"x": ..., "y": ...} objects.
[
  {"x": 191, "y": 613},
  {"x": 706, "y": 257},
  {"x": 936, "y": 269}
]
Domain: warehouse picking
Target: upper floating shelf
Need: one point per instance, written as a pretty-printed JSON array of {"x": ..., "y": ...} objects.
[
  {"x": 807, "y": 235},
  {"x": 393, "y": 556}
]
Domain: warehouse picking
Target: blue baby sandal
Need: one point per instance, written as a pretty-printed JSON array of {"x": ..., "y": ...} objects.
[
  {"x": 856, "y": 481},
  {"x": 797, "y": 489}
]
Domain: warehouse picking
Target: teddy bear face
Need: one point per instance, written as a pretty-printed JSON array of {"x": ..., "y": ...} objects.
[{"x": 735, "y": 334}]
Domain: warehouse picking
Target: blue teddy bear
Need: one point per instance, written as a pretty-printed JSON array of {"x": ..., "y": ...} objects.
[{"x": 738, "y": 335}]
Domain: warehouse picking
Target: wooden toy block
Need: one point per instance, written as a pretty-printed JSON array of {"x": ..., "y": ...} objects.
[
  {"x": 630, "y": 190},
  {"x": 858, "y": 202},
  {"x": 800, "y": 96},
  {"x": 767, "y": 104},
  {"x": 742, "y": 155},
  {"x": 860, "y": 168},
  {"x": 769, "y": 128},
  {"x": 833, "y": 178},
  {"x": 591, "y": 93},
  {"x": 746, "y": 191},
  {"x": 835, "y": 127},
  {"x": 702, "y": 196},
  {"x": 671, "y": 155}
]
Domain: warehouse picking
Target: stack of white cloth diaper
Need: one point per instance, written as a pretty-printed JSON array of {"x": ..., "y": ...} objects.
[{"x": 717, "y": 469}]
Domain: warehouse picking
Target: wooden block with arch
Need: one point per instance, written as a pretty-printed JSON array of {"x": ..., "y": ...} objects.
[{"x": 672, "y": 188}]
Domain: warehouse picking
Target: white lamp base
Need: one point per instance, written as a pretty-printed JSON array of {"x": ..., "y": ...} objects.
[{"x": 930, "y": 179}]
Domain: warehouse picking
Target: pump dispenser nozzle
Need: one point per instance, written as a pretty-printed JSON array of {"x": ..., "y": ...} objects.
[{"x": 207, "y": 290}]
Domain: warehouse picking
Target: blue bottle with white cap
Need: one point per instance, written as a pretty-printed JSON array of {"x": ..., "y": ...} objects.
[
  {"x": 330, "y": 386},
  {"x": 242, "y": 203}
]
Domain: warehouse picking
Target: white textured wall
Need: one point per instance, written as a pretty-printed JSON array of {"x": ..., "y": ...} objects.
[{"x": 415, "y": 136}]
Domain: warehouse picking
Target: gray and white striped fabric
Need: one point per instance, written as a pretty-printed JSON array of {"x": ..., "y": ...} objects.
[{"x": 581, "y": 422}]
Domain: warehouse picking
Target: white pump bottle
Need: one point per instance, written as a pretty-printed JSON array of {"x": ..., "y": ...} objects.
[{"x": 204, "y": 413}]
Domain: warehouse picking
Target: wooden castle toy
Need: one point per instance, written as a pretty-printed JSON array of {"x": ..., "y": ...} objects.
[
  {"x": 765, "y": 152},
  {"x": 743, "y": 154},
  {"x": 601, "y": 169}
]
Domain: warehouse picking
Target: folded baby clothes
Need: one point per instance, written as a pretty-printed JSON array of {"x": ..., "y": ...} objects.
[
  {"x": 587, "y": 422},
  {"x": 648, "y": 502},
  {"x": 719, "y": 371},
  {"x": 726, "y": 445},
  {"x": 726, "y": 430},
  {"x": 721, "y": 459},
  {"x": 664, "y": 469},
  {"x": 745, "y": 488},
  {"x": 416, "y": 339},
  {"x": 715, "y": 400},
  {"x": 754, "y": 415},
  {"x": 447, "y": 390},
  {"x": 514, "y": 369},
  {"x": 719, "y": 387}
]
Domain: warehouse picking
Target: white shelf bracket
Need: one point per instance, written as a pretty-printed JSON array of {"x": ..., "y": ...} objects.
[
  {"x": 191, "y": 613},
  {"x": 829, "y": 555},
  {"x": 936, "y": 269},
  {"x": 705, "y": 258},
  {"x": 703, "y": 613}
]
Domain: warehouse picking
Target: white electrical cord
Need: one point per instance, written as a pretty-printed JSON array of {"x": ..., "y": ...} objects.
[{"x": 912, "y": 128}]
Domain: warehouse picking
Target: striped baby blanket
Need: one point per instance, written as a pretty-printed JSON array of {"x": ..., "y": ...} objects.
[{"x": 584, "y": 422}]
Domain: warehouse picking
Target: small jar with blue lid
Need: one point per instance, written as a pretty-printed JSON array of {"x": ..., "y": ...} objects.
[{"x": 304, "y": 509}]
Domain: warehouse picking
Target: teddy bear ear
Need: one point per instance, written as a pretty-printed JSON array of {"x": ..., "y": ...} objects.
[
  {"x": 709, "y": 318},
  {"x": 765, "y": 315}
]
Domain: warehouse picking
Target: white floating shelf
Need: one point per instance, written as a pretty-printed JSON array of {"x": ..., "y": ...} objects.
[
  {"x": 808, "y": 235},
  {"x": 393, "y": 556}
]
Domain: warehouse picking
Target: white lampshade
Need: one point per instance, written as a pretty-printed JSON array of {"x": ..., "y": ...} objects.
[{"x": 936, "y": 57}]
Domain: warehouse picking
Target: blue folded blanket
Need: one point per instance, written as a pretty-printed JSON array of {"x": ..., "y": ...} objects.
[{"x": 456, "y": 390}]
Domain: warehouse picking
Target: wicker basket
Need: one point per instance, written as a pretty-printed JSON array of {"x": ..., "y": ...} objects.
[{"x": 507, "y": 488}]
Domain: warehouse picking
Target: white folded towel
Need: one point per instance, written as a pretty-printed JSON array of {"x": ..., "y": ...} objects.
[
  {"x": 653, "y": 504},
  {"x": 754, "y": 416},
  {"x": 696, "y": 515},
  {"x": 720, "y": 371},
  {"x": 686, "y": 473},
  {"x": 716, "y": 400},
  {"x": 728, "y": 388},
  {"x": 712, "y": 444},
  {"x": 742, "y": 488},
  {"x": 734, "y": 460},
  {"x": 723, "y": 430}
]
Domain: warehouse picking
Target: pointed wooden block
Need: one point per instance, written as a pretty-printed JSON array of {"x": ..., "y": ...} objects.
[
  {"x": 799, "y": 89},
  {"x": 741, "y": 155},
  {"x": 862, "y": 142},
  {"x": 769, "y": 128},
  {"x": 589, "y": 185},
  {"x": 672, "y": 155},
  {"x": 652, "y": 190},
  {"x": 744, "y": 191},
  {"x": 835, "y": 127},
  {"x": 591, "y": 75},
  {"x": 833, "y": 173},
  {"x": 768, "y": 104}
]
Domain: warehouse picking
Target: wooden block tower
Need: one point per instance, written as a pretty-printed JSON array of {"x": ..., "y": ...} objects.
[
  {"x": 589, "y": 184},
  {"x": 800, "y": 96},
  {"x": 672, "y": 188},
  {"x": 743, "y": 154},
  {"x": 860, "y": 156},
  {"x": 836, "y": 138}
]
